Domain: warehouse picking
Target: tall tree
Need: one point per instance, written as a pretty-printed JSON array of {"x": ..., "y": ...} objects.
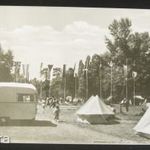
[
  {"x": 81, "y": 80},
  {"x": 87, "y": 62},
  {"x": 130, "y": 49},
  {"x": 119, "y": 45},
  {"x": 6, "y": 64},
  {"x": 140, "y": 44},
  {"x": 94, "y": 75},
  {"x": 70, "y": 84},
  {"x": 56, "y": 87}
]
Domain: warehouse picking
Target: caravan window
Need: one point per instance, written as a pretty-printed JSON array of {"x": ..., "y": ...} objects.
[{"x": 25, "y": 98}]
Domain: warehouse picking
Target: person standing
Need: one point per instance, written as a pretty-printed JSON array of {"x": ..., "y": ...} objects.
[
  {"x": 56, "y": 112},
  {"x": 127, "y": 105},
  {"x": 121, "y": 105}
]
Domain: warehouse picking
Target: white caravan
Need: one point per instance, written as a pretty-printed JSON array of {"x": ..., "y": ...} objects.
[{"x": 17, "y": 101}]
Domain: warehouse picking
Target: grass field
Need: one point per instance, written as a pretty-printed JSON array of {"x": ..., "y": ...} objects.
[
  {"x": 120, "y": 131},
  {"x": 69, "y": 131}
]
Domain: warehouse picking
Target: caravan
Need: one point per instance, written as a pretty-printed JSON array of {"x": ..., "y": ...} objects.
[{"x": 17, "y": 101}]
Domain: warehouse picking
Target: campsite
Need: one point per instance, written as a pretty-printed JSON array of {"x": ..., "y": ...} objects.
[
  {"x": 69, "y": 130},
  {"x": 74, "y": 75}
]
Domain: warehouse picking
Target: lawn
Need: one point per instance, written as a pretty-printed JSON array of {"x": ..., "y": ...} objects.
[
  {"x": 121, "y": 131},
  {"x": 69, "y": 131}
]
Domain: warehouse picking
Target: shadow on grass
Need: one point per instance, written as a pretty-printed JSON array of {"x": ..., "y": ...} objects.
[
  {"x": 139, "y": 114},
  {"x": 112, "y": 122},
  {"x": 108, "y": 121},
  {"x": 117, "y": 118},
  {"x": 144, "y": 135},
  {"x": 27, "y": 123},
  {"x": 124, "y": 113}
]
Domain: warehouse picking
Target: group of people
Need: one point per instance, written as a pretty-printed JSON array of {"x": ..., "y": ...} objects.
[{"x": 53, "y": 103}]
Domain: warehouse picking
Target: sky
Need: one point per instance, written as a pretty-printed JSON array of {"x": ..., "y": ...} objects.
[{"x": 61, "y": 35}]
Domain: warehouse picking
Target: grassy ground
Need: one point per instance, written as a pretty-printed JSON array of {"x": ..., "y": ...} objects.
[
  {"x": 68, "y": 130},
  {"x": 119, "y": 132}
]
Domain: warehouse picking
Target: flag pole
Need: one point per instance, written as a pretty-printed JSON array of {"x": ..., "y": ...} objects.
[
  {"x": 75, "y": 86},
  {"x": 100, "y": 82},
  {"x": 49, "y": 84},
  {"x": 111, "y": 89},
  {"x": 27, "y": 73},
  {"x": 74, "y": 80},
  {"x": 64, "y": 81},
  {"x": 126, "y": 80},
  {"x": 64, "y": 88},
  {"x": 86, "y": 83},
  {"x": 87, "y": 90},
  {"x": 134, "y": 74},
  {"x": 49, "y": 77},
  {"x": 134, "y": 91},
  {"x": 41, "y": 67}
]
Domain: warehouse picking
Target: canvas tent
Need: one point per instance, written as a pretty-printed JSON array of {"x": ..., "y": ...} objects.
[
  {"x": 109, "y": 100},
  {"x": 95, "y": 111},
  {"x": 143, "y": 126},
  {"x": 138, "y": 99}
]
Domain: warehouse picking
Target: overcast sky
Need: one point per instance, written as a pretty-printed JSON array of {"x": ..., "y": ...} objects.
[{"x": 60, "y": 35}]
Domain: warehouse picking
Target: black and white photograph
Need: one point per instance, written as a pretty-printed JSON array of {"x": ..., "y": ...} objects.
[{"x": 74, "y": 75}]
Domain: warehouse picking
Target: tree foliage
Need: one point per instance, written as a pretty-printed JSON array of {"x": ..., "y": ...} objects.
[
  {"x": 56, "y": 88},
  {"x": 125, "y": 48},
  {"x": 131, "y": 49},
  {"x": 6, "y": 64},
  {"x": 81, "y": 80},
  {"x": 106, "y": 70}
]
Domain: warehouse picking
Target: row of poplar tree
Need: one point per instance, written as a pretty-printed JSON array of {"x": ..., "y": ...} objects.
[{"x": 122, "y": 71}]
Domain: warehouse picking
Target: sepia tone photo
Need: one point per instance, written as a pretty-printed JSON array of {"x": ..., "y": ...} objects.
[{"x": 71, "y": 75}]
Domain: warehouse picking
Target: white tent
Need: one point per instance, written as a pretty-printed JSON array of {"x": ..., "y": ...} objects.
[
  {"x": 95, "y": 111},
  {"x": 143, "y": 126},
  {"x": 139, "y": 97}
]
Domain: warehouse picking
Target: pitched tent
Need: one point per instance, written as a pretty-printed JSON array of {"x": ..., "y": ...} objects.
[
  {"x": 95, "y": 111},
  {"x": 139, "y": 99},
  {"x": 143, "y": 126}
]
